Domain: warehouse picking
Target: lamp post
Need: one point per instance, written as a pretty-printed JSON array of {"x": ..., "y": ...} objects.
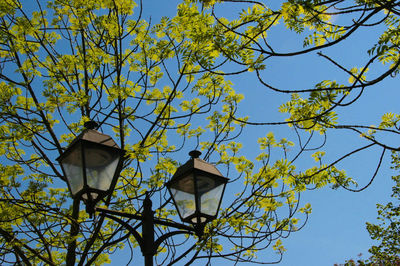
[{"x": 92, "y": 164}]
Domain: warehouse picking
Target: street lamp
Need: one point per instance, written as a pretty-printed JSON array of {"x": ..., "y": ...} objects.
[
  {"x": 197, "y": 188},
  {"x": 92, "y": 164}
]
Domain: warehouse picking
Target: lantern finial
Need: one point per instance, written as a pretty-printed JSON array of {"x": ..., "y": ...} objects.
[
  {"x": 195, "y": 154},
  {"x": 91, "y": 124}
]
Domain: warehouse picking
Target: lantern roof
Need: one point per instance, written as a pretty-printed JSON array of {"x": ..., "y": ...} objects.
[
  {"x": 92, "y": 135},
  {"x": 198, "y": 164},
  {"x": 97, "y": 137}
]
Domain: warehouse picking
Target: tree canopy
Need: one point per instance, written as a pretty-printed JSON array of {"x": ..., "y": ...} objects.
[
  {"x": 162, "y": 90},
  {"x": 387, "y": 232}
]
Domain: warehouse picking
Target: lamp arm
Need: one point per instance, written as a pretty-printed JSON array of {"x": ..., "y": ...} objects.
[
  {"x": 174, "y": 225},
  {"x": 139, "y": 238},
  {"x": 131, "y": 230},
  {"x": 162, "y": 238},
  {"x": 119, "y": 213},
  {"x": 112, "y": 214},
  {"x": 140, "y": 218}
]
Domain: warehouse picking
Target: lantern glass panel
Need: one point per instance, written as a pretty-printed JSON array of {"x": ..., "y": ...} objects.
[
  {"x": 185, "y": 184},
  {"x": 72, "y": 165},
  {"x": 210, "y": 192},
  {"x": 101, "y": 164},
  {"x": 185, "y": 202},
  {"x": 209, "y": 201},
  {"x": 204, "y": 184}
]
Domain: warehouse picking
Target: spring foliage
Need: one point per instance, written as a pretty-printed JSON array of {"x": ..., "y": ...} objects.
[{"x": 160, "y": 90}]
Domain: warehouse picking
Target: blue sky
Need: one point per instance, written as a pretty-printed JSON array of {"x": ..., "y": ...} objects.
[{"x": 336, "y": 228}]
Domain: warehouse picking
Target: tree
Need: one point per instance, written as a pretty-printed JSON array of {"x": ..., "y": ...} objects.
[
  {"x": 387, "y": 232},
  {"x": 317, "y": 109},
  {"x": 161, "y": 90}
]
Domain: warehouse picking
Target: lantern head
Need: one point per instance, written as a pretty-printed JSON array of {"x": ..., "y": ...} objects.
[
  {"x": 91, "y": 164},
  {"x": 197, "y": 188}
]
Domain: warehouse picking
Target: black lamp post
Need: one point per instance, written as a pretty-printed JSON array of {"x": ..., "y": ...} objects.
[{"x": 92, "y": 164}]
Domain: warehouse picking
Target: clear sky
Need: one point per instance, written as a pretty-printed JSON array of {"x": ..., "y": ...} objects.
[{"x": 336, "y": 228}]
